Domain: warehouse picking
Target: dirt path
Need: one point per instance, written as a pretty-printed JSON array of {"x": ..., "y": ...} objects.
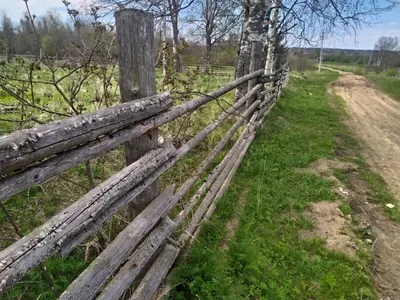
[{"x": 375, "y": 119}]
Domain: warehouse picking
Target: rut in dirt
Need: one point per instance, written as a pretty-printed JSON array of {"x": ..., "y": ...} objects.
[{"x": 375, "y": 119}]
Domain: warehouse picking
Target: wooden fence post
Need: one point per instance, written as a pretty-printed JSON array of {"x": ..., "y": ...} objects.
[
  {"x": 257, "y": 13},
  {"x": 255, "y": 65},
  {"x": 137, "y": 79}
]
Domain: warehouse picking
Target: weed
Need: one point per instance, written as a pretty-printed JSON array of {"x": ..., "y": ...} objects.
[
  {"x": 267, "y": 259},
  {"x": 389, "y": 85}
]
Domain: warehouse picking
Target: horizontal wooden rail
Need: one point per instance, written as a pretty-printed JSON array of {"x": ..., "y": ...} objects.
[
  {"x": 84, "y": 282},
  {"x": 89, "y": 282},
  {"x": 41, "y": 172},
  {"x": 147, "y": 234},
  {"x": 73, "y": 222},
  {"x": 25, "y": 147},
  {"x": 128, "y": 273}
]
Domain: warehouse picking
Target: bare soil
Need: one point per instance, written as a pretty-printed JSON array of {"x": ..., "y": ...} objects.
[
  {"x": 376, "y": 231},
  {"x": 330, "y": 224},
  {"x": 375, "y": 119}
]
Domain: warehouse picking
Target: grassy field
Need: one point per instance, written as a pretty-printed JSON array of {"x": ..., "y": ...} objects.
[
  {"x": 36, "y": 205},
  {"x": 267, "y": 259},
  {"x": 388, "y": 85},
  {"x": 356, "y": 69}
]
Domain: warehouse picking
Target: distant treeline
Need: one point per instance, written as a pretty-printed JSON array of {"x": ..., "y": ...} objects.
[
  {"x": 58, "y": 38},
  {"x": 390, "y": 59}
]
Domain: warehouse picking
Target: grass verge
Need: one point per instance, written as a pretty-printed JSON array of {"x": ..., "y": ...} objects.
[
  {"x": 388, "y": 85},
  {"x": 267, "y": 259}
]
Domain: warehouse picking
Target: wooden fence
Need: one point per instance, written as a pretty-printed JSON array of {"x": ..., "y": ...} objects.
[{"x": 145, "y": 250}]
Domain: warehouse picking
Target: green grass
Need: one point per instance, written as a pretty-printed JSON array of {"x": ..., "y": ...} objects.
[
  {"x": 267, "y": 259},
  {"x": 356, "y": 69},
  {"x": 388, "y": 85},
  {"x": 34, "y": 206}
]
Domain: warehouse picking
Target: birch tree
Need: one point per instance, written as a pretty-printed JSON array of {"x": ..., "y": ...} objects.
[
  {"x": 214, "y": 20},
  {"x": 384, "y": 45},
  {"x": 272, "y": 38},
  {"x": 8, "y": 35},
  {"x": 255, "y": 13},
  {"x": 175, "y": 7}
]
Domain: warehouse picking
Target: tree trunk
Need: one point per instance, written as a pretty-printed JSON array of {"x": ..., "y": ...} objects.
[
  {"x": 243, "y": 59},
  {"x": 164, "y": 40},
  {"x": 370, "y": 58},
  {"x": 256, "y": 16},
  {"x": 174, "y": 10},
  {"x": 207, "y": 57},
  {"x": 7, "y": 54},
  {"x": 175, "y": 49},
  {"x": 269, "y": 65}
]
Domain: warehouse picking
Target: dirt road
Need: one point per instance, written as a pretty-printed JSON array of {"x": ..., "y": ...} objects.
[{"x": 375, "y": 119}]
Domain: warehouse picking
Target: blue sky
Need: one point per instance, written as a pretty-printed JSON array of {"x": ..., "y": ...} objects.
[
  {"x": 15, "y": 9},
  {"x": 365, "y": 38},
  {"x": 389, "y": 24}
]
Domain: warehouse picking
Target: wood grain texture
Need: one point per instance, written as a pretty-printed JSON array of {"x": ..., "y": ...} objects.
[
  {"x": 75, "y": 223},
  {"x": 95, "y": 276},
  {"x": 137, "y": 79},
  {"x": 25, "y": 147},
  {"x": 137, "y": 262},
  {"x": 156, "y": 274}
]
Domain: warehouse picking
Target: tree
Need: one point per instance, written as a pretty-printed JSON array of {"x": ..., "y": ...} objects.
[
  {"x": 305, "y": 20},
  {"x": 215, "y": 19},
  {"x": 8, "y": 35},
  {"x": 171, "y": 10},
  {"x": 384, "y": 45},
  {"x": 254, "y": 27},
  {"x": 272, "y": 38}
]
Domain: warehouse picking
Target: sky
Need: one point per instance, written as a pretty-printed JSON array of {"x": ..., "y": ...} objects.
[
  {"x": 388, "y": 25},
  {"x": 365, "y": 38}
]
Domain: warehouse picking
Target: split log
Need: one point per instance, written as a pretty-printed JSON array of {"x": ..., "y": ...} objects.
[
  {"x": 156, "y": 274},
  {"x": 139, "y": 259},
  {"x": 71, "y": 224},
  {"x": 25, "y": 147},
  {"x": 38, "y": 174},
  {"x": 227, "y": 182},
  {"x": 185, "y": 187},
  {"x": 95, "y": 276},
  {"x": 234, "y": 109},
  {"x": 201, "y": 210},
  {"x": 212, "y": 177}
]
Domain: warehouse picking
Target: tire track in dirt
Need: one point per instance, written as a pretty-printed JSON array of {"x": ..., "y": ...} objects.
[{"x": 375, "y": 119}]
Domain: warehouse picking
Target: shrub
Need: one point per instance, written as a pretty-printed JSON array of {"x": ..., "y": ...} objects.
[
  {"x": 300, "y": 63},
  {"x": 393, "y": 72}
]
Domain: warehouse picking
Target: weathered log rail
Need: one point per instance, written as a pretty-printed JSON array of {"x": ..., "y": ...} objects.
[{"x": 32, "y": 156}]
